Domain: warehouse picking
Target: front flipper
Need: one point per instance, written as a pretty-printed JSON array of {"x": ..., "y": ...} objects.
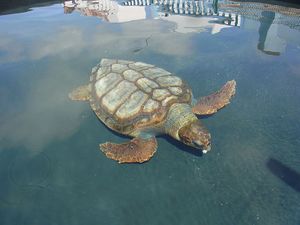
[
  {"x": 212, "y": 103},
  {"x": 81, "y": 93},
  {"x": 137, "y": 150}
]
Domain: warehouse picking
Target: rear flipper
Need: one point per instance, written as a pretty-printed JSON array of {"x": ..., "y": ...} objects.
[
  {"x": 137, "y": 150},
  {"x": 212, "y": 103},
  {"x": 81, "y": 93}
]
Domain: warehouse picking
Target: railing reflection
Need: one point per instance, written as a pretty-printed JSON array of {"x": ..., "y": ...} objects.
[
  {"x": 131, "y": 10},
  {"x": 198, "y": 15}
]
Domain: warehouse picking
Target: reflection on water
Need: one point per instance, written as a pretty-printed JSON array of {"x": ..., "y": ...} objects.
[
  {"x": 110, "y": 11},
  {"x": 113, "y": 12},
  {"x": 51, "y": 170},
  {"x": 36, "y": 122},
  {"x": 274, "y": 20},
  {"x": 198, "y": 16},
  {"x": 268, "y": 42}
]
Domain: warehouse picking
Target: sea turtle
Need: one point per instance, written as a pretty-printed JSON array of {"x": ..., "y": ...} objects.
[{"x": 141, "y": 101}]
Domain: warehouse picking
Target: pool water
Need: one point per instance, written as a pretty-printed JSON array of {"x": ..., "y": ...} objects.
[{"x": 51, "y": 168}]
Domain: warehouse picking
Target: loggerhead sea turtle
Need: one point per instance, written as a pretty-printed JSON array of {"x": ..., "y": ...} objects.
[{"x": 140, "y": 100}]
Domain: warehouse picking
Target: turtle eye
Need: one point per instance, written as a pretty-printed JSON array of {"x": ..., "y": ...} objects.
[{"x": 188, "y": 140}]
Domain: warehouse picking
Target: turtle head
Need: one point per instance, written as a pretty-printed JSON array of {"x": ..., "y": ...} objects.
[{"x": 196, "y": 135}]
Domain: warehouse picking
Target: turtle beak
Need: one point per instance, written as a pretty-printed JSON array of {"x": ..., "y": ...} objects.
[
  {"x": 205, "y": 148},
  {"x": 204, "y": 151}
]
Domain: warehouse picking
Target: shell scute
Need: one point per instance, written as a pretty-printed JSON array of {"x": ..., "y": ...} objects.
[
  {"x": 168, "y": 99},
  {"x": 94, "y": 69},
  {"x": 151, "y": 105},
  {"x": 125, "y": 62},
  {"x": 128, "y": 96},
  {"x": 102, "y": 71},
  {"x": 140, "y": 66},
  {"x": 132, "y": 75},
  {"x": 119, "y": 68},
  {"x": 155, "y": 72},
  {"x": 114, "y": 98},
  {"x": 167, "y": 81},
  {"x": 106, "y": 83},
  {"x": 146, "y": 85},
  {"x": 175, "y": 90},
  {"x": 107, "y": 62},
  {"x": 132, "y": 105},
  {"x": 160, "y": 94}
]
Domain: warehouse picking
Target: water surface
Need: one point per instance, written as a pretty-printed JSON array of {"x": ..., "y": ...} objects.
[{"x": 51, "y": 169}]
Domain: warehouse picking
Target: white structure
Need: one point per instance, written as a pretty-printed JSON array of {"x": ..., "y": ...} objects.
[
  {"x": 108, "y": 10},
  {"x": 188, "y": 24},
  {"x": 189, "y": 16}
]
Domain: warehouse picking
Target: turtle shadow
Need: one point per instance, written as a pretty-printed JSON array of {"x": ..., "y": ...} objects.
[
  {"x": 182, "y": 146},
  {"x": 204, "y": 116},
  {"x": 284, "y": 173},
  {"x": 117, "y": 134},
  {"x": 178, "y": 144},
  {"x": 169, "y": 139}
]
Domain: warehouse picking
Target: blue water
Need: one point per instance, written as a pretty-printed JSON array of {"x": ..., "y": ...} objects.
[{"x": 51, "y": 169}]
